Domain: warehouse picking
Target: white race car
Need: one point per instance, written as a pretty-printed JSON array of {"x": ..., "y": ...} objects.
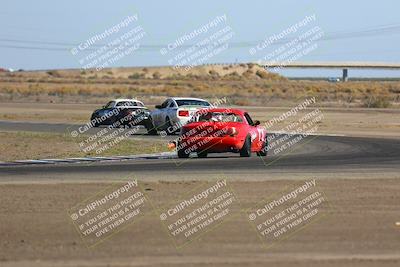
[{"x": 175, "y": 112}]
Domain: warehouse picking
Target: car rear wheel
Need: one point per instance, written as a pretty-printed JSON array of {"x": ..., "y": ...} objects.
[
  {"x": 202, "y": 154},
  {"x": 182, "y": 154},
  {"x": 264, "y": 150},
  {"x": 246, "y": 149}
]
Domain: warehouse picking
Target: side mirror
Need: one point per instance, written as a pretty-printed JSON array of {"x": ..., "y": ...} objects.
[
  {"x": 257, "y": 123},
  {"x": 158, "y": 106}
]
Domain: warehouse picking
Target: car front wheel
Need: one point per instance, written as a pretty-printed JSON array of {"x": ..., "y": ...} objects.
[
  {"x": 264, "y": 150},
  {"x": 246, "y": 149},
  {"x": 151, "y": 129},
  {"x": 169, "y": 126},
  {"x": 95, "y": 123}
]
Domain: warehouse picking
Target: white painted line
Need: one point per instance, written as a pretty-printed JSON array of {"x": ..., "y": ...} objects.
[
  {"x": 32, "y": 161},
  {"x": 321, "y": 134},
  {"x": 10, "y": 163},
  {"x": 102, "y": 158},
  {"x": 59, "y": 160},
  {"x": 309, "y": 134},
  {"x": 162, "y": 155},
  {"x": 82, "y": 159}
]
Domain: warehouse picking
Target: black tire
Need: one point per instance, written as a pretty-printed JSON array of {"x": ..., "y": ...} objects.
[
  {"x": 202, "y": 154},
  {"x": 151, "y": 130},
  {"x": 264, "y": 150},
  {"x": 246, "y": 149},
  {"x": 168, "y": 124},
  {"x": 182, "y": 154},
  {"x": 111, "y": 122},
  {"x": 95, "y": 124}
]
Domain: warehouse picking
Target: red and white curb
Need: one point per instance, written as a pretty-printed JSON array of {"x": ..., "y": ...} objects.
[{"x": 164, "y": 155}]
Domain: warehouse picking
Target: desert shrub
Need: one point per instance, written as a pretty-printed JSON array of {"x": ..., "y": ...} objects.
[
  {"x": 156, "y": 75},
  {"x": 376, "y": 102},
  {"x": 53, "y": 73},
  {"x": 248, "y": 74},
  {"x": 120, "y": 90},
  {"x": 194, "y": 76},
  {"x": 61, "y": 91},
  {"x": 250, "y": 65},
  {"x": 213, "y": 73},
  {"x": 394, "y": 90},
  {"x": 262, "y": 74},
  {"x": 84, "y": 91},
  {"x": 175, "y": 76},
  {"x": 241, "y": 102},
  {"x": 136, "y": 76},
  {"x": 234, "y": 74}
]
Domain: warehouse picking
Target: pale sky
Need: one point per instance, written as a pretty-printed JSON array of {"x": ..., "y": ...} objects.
[{"x": 39, "y": 34}]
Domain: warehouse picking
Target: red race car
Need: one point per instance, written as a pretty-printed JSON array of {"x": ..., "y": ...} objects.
[{"x": 217, "y": 130}]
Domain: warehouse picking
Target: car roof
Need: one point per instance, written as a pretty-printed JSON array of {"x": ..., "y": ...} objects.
[
  {"x": 125, "y": 99},
  {"x": 187, "y": 98},
  {"x": 230, "y": 110}
]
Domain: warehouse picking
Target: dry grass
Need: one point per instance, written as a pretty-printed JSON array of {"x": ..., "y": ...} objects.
[
  {"x": 30, "y": 145},
  {"x": 245, "y": 84}
]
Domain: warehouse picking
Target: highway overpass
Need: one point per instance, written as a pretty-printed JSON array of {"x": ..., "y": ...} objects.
[{"x": 332, "y": 65}]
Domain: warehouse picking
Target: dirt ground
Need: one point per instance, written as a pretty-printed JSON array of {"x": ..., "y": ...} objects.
[{"x": 358, "y": 228}]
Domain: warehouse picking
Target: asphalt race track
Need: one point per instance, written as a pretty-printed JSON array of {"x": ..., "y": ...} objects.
[
  {"x": 61, "y": 128},
  {"x": 322, "y": 156}
]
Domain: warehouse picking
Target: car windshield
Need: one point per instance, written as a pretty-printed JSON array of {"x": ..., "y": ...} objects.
[
  {"x": 109, "y": 104},
  {"x": 129, "y": 104},
  {"x": 190, "y": 102},
  {"x": 217, "y": 117}
]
